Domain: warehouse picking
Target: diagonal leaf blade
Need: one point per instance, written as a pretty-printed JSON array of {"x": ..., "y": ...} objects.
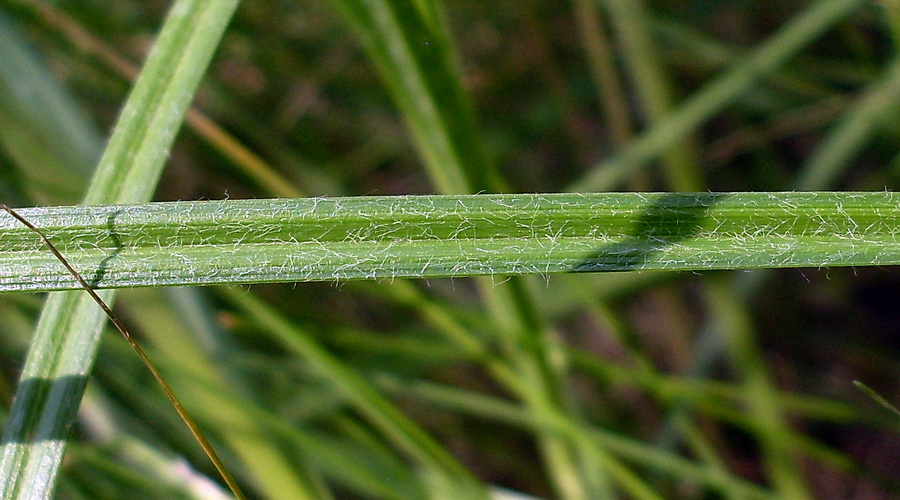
[{"x": 63, "y": 351}]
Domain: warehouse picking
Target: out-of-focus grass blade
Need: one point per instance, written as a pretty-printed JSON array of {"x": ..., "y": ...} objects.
[
  {"x": 63, "y": 351},
  {"x": 260, "y": 241},
  {"x": 175, "y": 337},
  {"x": 857, "y": 127},
  {"x": 491, "y": 408},
  {"x": 407, "y": 41},
  {"x": 40, "y": 129},
  {"x": 876, "y": 397},
  {"x": 442, "y": 472},
  {"x": 799, "y": 33}
]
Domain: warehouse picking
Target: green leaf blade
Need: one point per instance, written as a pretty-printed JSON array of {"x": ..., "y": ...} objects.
[
  {"x": 68, "y": 332},
  {"x": 266, "y": 241}
]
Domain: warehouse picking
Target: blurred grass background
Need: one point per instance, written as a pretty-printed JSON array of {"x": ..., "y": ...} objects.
[{"x": 678, "y": 385}]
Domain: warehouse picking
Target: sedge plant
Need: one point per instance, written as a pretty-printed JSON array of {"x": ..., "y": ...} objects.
[{"x": 466, "y": 342}]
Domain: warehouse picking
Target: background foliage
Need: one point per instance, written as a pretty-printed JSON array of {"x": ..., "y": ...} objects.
[{"x": 641, "y": 385}]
